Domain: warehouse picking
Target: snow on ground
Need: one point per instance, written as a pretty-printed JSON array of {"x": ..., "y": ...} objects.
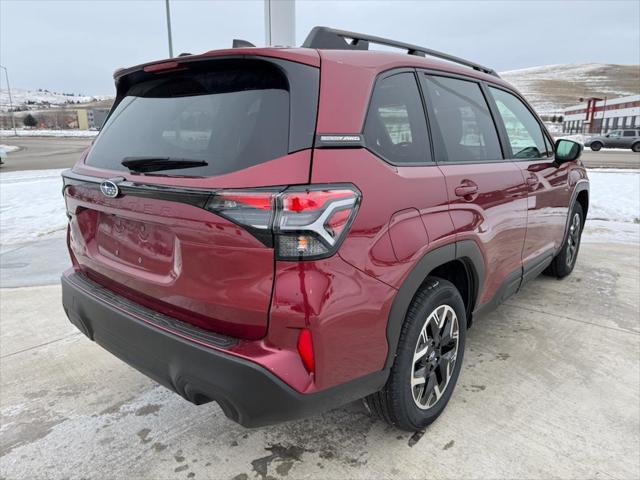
[
  {"x": 32, "y": 207},
  {"x": 8, "y": 148},
  {"x": 49, "y": 133}
]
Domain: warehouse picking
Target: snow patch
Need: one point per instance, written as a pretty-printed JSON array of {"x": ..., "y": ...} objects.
[
  {"x": 8, "y": 148},
  {"x": 615, "y": 195},
  {"x": 49, "y": 133},
  {"x": 31, "y": 206}
]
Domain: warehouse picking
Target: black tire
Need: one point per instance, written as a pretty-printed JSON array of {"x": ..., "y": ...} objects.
[
  {"x": 563, "y": 263},
  {"x": 395, "y": 403},
  {"x": 636, "y": 147},
  {"x": 595, "y": 146}
]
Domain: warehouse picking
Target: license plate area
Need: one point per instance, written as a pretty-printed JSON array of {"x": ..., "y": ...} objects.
[{"x": 140, "y": 245}]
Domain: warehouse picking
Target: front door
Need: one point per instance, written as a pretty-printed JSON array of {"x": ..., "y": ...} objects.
[{"x": 546, "y": 182}]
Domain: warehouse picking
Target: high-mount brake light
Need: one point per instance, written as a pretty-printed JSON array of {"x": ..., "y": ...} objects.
[
  {"x": 306, "y": 222},
  {"x": 162, "y": 67}
]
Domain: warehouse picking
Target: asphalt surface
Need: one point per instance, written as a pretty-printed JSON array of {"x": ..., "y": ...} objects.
[
  {"x": 611, "y": 159},
  {"x": 37, "y": 153},
  {"x": 549, "y": 389}
]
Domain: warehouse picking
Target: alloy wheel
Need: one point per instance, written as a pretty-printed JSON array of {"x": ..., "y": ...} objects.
[
  {"x": 573, "y": 239},
  {"x": 434, "y": 357}
]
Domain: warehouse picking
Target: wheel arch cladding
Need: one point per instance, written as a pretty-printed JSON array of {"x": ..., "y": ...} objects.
[
  {"x": 583, "y": 199},
  {"x": 466, "y": 252}
]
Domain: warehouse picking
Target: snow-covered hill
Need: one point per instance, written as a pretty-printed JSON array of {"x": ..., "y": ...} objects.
[
  {"x": 551, "y": 88},
  {"x": 26, "y": 99}
]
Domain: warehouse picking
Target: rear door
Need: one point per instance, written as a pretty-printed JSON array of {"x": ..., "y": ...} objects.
[
  {"x": 546, "y": 182},
  {"x": 486, "y": 192},
  {"x": 193, "y": 156},
  {"x": 629, "y": 137}
]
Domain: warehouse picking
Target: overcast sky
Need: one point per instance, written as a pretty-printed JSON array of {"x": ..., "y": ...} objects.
[{"x": 74, "y": 46}]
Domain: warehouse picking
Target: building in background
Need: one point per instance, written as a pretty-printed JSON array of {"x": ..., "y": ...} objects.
[
  {"x": 91, "y": 118},
  {"x": 601, "y": 115}
]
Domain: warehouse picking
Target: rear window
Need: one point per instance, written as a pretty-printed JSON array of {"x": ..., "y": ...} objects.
[{"x": 234, "y": 114}]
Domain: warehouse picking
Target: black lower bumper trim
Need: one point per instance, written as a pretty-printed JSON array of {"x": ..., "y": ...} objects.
[{"x": 247, "y": 393}]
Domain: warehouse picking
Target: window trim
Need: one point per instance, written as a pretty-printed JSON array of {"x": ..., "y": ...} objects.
[
  {"x": 440, "y": 154},
  {"x": 429, "y": 151}
]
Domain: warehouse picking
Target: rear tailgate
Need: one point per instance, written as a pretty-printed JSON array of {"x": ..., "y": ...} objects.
[{"x": 154, "y": 237}]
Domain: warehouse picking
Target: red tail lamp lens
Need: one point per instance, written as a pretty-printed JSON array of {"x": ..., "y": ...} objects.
[
  {"x": 305, "y": 349},
  {"x": 313, "y": 200}
]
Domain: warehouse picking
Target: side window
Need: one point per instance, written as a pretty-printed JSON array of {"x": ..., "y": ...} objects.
[
  {"x": 463, "y": 119},
  {"x": 616, "y": 133},
  {"x": 523, "y": 130},
  {"x": 629, "y": 133},
  {"x": 396, "y": 127}
]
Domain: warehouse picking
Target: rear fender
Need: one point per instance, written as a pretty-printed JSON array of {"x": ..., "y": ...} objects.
[{"x": 467, "y": 251}]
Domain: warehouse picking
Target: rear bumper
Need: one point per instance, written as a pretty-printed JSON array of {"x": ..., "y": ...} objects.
[{"x": 247, "y": 393}]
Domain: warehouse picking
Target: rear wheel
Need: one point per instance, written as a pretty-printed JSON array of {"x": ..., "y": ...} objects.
[
  {"x": 595, "y": 146},
  {"x": 636, "y": 147},
  {"x": 428, "y": 359},
  {"x": 565, "y": 260}
]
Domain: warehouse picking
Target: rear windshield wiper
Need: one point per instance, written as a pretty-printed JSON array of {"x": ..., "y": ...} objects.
[{"x": 156, "y": 164}]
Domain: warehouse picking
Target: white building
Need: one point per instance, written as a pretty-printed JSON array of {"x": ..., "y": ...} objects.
[{"x": 598, "y": 115}]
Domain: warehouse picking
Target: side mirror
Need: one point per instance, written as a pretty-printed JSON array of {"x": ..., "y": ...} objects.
[
  {"x": 607, "y": 135},
  {"x": 567, "y": 151}
]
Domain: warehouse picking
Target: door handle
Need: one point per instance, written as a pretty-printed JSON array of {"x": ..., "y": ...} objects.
[
  {"x": 532, "y": 181},
  {"x": 466, "y": 189}
]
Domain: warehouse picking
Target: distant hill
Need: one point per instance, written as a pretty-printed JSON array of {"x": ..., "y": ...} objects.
[
  {"x": 25, "y": 99},
  {"x": 552, "y": 88}
]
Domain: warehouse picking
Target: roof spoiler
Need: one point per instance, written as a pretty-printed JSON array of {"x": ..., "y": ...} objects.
[{"x": 331, "y": 38}]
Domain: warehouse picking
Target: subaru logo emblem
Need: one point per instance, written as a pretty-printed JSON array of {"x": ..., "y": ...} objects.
[{"x": 109, "y": 189}]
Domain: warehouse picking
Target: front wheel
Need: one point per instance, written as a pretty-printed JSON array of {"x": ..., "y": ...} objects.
[
  {"x": 428, "y": 358},
  {"x": 595, "y": 146},
  {"x": 636, "y": 147},
  {"x": 562, "y": 265}
]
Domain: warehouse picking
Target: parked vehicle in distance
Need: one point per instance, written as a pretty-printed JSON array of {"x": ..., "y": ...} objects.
[
  {"x": 285, "y": 230},
  {"x": 627, "y": 138}
]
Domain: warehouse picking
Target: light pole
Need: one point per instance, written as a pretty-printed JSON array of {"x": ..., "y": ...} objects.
[
  {"x": 13, "y": 115},
  {"x": 166, "y": 3}
]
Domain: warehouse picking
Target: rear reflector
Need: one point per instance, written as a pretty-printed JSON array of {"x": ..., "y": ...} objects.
[{"x": 305, "y": 349}]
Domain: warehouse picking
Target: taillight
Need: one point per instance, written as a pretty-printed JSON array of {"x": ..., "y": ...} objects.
[
  {"x": 312, "y": 222},
  {"x": 306, "y": 222},
  {"x": 252, "y": 209}
]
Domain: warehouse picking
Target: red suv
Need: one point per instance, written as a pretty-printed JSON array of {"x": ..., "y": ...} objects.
[{"x": 285, "y": 230}]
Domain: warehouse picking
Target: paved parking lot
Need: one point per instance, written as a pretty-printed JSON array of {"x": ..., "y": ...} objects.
[{"x": 550, "y": 387}]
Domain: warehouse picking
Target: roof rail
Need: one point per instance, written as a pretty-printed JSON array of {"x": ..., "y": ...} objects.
[{"x": 331, "y": 38}]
